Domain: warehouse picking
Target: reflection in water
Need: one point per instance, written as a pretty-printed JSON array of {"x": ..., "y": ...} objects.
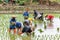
[{"x": 51, "y": 28}]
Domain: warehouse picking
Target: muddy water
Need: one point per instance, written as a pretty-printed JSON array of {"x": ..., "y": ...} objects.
[{"x": 51, "y": 30}]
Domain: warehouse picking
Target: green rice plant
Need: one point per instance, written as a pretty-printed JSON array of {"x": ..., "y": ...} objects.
[
  {"x": 57, "y": 29},
  {"x": 4, "y": 25},
  {"x": 40, "y": 30},
  {"x": 45, "y": 25},
  {"x": 33, "y": 34}
]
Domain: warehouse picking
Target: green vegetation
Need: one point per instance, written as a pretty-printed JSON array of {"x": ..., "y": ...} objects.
[
  {"x": 45, "y": 25},
  {"x": 4, "y": 25},
  {"x": 40, "y": 30},
  {"x": 0, "y": 1},
  {"x": 55, "y": 0},
  {"x": 58, "y": 29},
  {"x": 22, "y": 2}
]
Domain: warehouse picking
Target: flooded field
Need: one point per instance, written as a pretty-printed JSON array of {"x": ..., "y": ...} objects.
[{"x": 50, "y": 33}]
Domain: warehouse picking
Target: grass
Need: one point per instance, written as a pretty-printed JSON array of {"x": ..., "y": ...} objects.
[
  {"x": 56, "y": 0},
  {"x": 4, "y": 25}
]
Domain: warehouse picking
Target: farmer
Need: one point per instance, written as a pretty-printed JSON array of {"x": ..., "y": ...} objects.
[
  {"x": 40, "y": 16},
  {"x": 13, "y": 19},
  {"x": 27, "y": 28},
  {"x": 19, "y": 27},
  {"x": 26, "y": 13},
  {"x": 32, "y": 25},
  {"x": 12, "y": 24},
  {"x": 49, "y": 17},
  {"x": 35, "y": 14},
  {"x": 31, "y": 21}
]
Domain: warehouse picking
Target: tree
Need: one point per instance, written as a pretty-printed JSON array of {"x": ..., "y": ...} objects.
[
  {"x": 40, "y": 1},
  {"x": 47, "y": 1},
  {"x": 31, "y": 1}
]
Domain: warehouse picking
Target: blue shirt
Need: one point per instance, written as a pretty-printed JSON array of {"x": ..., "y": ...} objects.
[
  {"x": 18, "y": 24},
  {"x": 12, "y": 20},
  {"x": 12, "y": 26},
  {"x": 26, "y": 14}
]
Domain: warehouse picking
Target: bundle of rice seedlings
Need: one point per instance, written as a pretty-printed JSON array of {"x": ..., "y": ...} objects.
[
  {"x": 58, "y": 29},
  {"x": 40, "y": 30},
  {"x": 45, "y": 25},
  {"x": 33, "y": 34}
]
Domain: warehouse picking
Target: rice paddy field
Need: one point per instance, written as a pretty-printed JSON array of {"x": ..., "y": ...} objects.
[{"x": 46, "y": 34}]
